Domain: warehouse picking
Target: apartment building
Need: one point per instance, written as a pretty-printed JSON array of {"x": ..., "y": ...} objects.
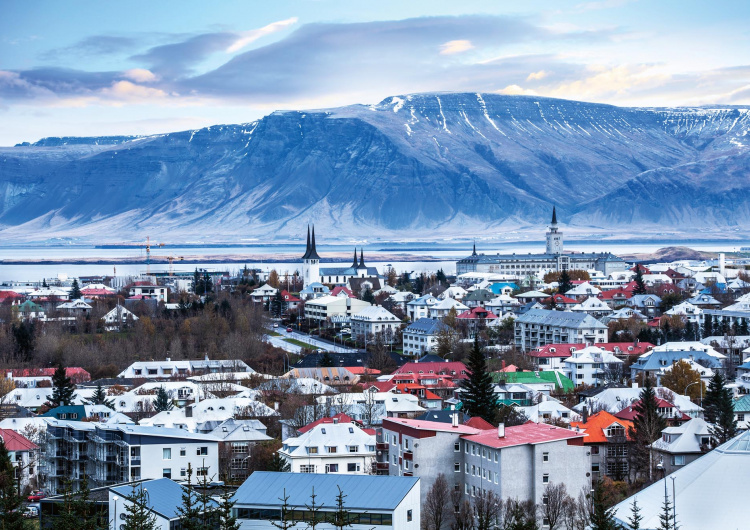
[
  {"x": 539, "y": 327},
  {"x": 331, "y": 448}
]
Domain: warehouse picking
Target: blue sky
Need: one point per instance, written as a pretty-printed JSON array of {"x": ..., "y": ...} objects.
[{"x": 85, "y": 68}]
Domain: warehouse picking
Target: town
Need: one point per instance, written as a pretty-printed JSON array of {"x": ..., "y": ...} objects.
[{"x": 558, "y": 390}]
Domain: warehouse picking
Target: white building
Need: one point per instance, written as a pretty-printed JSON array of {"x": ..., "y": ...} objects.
[
  {"x": 539, "y": 327},
  {"x": 323, "y": 308},
  {"x": 24, "y": 456},
  {"x": 75, "y": 307},
  {"x": 150, "y": 292},
  {"x": 370, "y": 321},
  {"x": 169, "y": 368},
  {"x": 444, "y": 306},
  {"x": 331, "y": 448},
  {"x": 688, "y": 311},
  {"x": 264, "y": 293},
  {"x": 588, "y": 366},
  {"x": 420, "y": 307},
  {"x": 421, "y": 336},
  {"x": 117, "y": 317},
  {"x": 387, "y": 503}
]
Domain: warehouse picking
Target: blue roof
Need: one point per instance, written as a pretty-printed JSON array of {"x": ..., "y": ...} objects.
[
  {"x": 363, "y": 492},
  {"x": 653, "y": 360},
  {"x": 497, "y": 287},
  {"x": 428, "y": 326},
  {"x": 164, "y": 496},
  {"x": 66, "y": 409}
]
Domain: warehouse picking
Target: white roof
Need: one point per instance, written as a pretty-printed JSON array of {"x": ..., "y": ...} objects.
[
  {"x": 339, "y": 435},
  {"x": 685, "y": 308},
  {"x": 583, "y": 288},
  {"x": 705, "y": 373},
  {"x": 454, "y": 291},
  {"x": 616, "y": 399},
  {"x": 36, "y": 397},
  {"x": 375, "y": 313},
  {"x": 447, "y": 303},
  {"x": 590, "y": 355},
  {"x": 74, "y": 304},
  {"x": 688, "y": 437},
  {"x": 686, "y": 346},
  {"x": 592, "y": 304}
]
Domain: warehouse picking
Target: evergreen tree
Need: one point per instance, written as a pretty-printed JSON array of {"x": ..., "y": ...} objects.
[
  {"x": 719, "y": 410},
  {"x": 640, "y": 285},
  {"x": 278, "y": 463},
  {"x": 75, "y": 290},
  {"x": 315, "y": 515},
  {"x": 563, "y": 283},
  {"x": 198, "y": 287},
  {"x": 189, "y": 511},
  {"x": 209, "y": 515},
  {"x": 10, "y": 499},
  {"x": 339, "y": 519},
  {"x": 743, "y": 329},
  {"x": 326, "y": 360},
  {"x": 226, "y": 520},
  {"x": 708, "y": 326},
  {"x": 162, "y": 401},
  {"x": 44, "y": 283},
  {"x": 85, "y": 509},
  {"x": 286, "y": 519},
  {"x": 100, "y": 398},
  {"x": 208, "y": 283},
  {"x": 634, "y": 522},
  {"x": 67, "y": 518},
  {"x": 138, "y": 515},
  {"x": 647, "y": 427},
  {"x": 63, "y": 389},
  {"x": 368, "y": 296},
  {"x": 440, "y": 276},
  {"x": 478, "y": 397},
  {"x": 601, "y": 518},
  {"x": 277, "y": 304},
  {"x": 666, "y": 515}
]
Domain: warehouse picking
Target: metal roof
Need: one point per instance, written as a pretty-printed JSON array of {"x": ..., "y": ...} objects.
[
  {"x": 363, "y": 492},
  {"x": 164, "y": 496},
  {"x": 560, "y": 318}
]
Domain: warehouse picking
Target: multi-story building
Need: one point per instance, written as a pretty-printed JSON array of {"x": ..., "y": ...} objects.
[
  {"x": 592, "y": 366},
  {"x": 539, "y": 327},
  {"x": 323, "y": 308},
  {"x": 331, "y": 448},
  {"x": 607, "y": 440},
  {"x": 109, "y": 454},
  {"x": 421, "y": 336},
  {"x": 517, "y": 462},
  {"x": 420, "y": 307},
  {"x": 374, "y": 320},
  {"x": 168, "y": 368}
]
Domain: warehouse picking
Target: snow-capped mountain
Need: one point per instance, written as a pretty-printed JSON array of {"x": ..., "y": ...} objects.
[{"x": 428, "y": 165}]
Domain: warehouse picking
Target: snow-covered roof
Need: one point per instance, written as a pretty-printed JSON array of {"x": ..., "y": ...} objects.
[
  {"x": 584, "y": 288},
  {"x": 325, "y": 436},
  {"x": 375, "y": 313},
  {"x": 592, "y": 355},
  {"x": 685, "y": 438}
]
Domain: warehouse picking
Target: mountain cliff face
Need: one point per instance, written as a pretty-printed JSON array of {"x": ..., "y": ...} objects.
[{"x": 428, "y": 165}]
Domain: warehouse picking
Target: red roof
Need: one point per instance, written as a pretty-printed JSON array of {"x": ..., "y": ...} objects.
[
  {"x": 9, "y": 294},
  {"x": 362, "y": 370},
  {"x": 289, "y": 297},
  {"x": 644, "y": 269},
  {"x": 426, "y": 425},
  {"x": 76, "y": 374},
  {"x": 616, "y": 348},
  {"x": 408, "y": 388},
  {"x": 382, "y": 386},
  {"x": 339, "y": 288},
  {"x": 479, "y": 423},
  {"x": 556, "y": 350},
  {"x": 16, "y": 442},
  {"x": 477, "y": 313},
  {"x": 528, "y": 433},
  {"x": 621, "y": 292},
  {"x": 596, "y": 425},
  {"x": 339, "y": 418},
  {"x": 91, "y": 291},
  {"x": 629, "y": 413},
  {"x": 455, "y": 369},
  {"x": 560, "y": 299}
]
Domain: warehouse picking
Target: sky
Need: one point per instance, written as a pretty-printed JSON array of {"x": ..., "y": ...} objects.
[{"x": 93, "y": 68}]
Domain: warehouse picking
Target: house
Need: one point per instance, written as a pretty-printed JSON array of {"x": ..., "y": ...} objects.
[
  {"x": 328, "y": 375},
  {"x": 118, "y": 318},
  {"x": 360, "y": 286},
  {"x": 29, "y": 311},
  {"x": 478, "y": 298},
  {"x": 503, "y": 288},
  {"x": 75, "y": 307},
  {"x": 162, "y": 499},
  {"x": 387, "y": 503},
  {"x": 372, "y": 321},
  {"x": 592, "y": 366},
  {"x": 539, "y": 327},
  {"x": 516, "y": 462},
  {"x": 371, "y": 407},
  {"x": 148, "y": 291},
  {"x": 97, "y": 290},
  {"x": 502, "y": 304},
  {"x": 444, "y": 307},
  {"x": 655, "y": 361},
  {"x": 682, "y": 444},
  {"x": 35, "y": 397},
  {"x": 421, "y": 336},
  {"x": 616, "y": 298},
  {"x": 263, "y": 294},
  {"x": 607, "y": 439},
  {"x": 455, "y": 370},
  {"x": 314, "y": 290},
  {"x": 110, "y": 454},
  {"x": 546, "y": 383},
  {"x": 331, "y": 448},
  {"x": 549, "y": 410},
  {"x": 648, "y": 304},
  {"x": 582, "y": 291},
  {"x": 237, "y": 438},
  {"x": 624, "y": 313},
  {"x": 420, "y": 307},
  {"x": 291, "y": 302},
  {"x": 454, "y": 291},
  {"x": 323, "y": 308},
  {"x": 717, "y": 479},
  {"x": 24, "y": 456},
  {"x": 666, "y": 409},
  {"x": 688, "y": 312},
  {"x": 742, "y": 412},
  {"x": 593, "y": 306},
  {"x": 615, "y": 398},
  {"x": 705, "y": 301},
  {"x": 560, "y": 301},
  {"x": 169, "y": 368}
]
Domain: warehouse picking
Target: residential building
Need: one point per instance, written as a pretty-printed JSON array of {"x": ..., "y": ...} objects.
[
  {"x": 118, "y": 318},
  {"x": 582, "y": 291},
  {"x": 329, "y": 376},
  {"x": 75, "y": 307},
  {"x": 331, "y": 448},
  {"x": 742, "y": 412},
  {"x": 372, "y": 407},
  {"x": 110, "y": 454},
  {"x": 648, "y": 304},
  {"x": 263, "y": 294},
  {"x": 616, "y": 399},
  {"x": 237, "y": 439},
  {"x": 594, "y": 307},
  {"x": 478, "y": 298},
  {"x": 655, "y": 361},
  {"x": 24, "y": 456},
  {"x": 444, "y": 306},
  {"x": 421, "y": 336},
  {"x": 324, "y": 308},
  {"x": 148, "y": 291},
  {"x": 314, "y": 290},
  {"x": 387, "y": 503},
  {"x": 546, "y": 382},
  {"x": 539, "y": 327},
  {"x": 420, "y": 307},
  {"x": 682, "y": 444},
  {"x": 371, "y": 321},
  {"x": 607, "y": 439},
  {"x": 169, "y": 368},
  {"x": 593, "y": 366},
  {"x": 454, "y": 369},
  {"x": 688, "y": 312}
]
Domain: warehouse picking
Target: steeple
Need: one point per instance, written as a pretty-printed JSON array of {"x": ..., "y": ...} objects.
[
  {"x": 354, "y": 263},
  {"x": 474, "y": 252},
  {"x": 307, "y": 247},
  {"x": 361, "y": 259},
  {"x": 313, "y": 252},
  {"x": 554, "y": 215}
]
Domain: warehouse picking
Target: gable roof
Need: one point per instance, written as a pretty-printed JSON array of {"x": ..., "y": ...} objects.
[
  {"x": 560, "y": 318},
  {"x": 164, "y": 498},
  {"x": 445, "y": 368},
  {"x": 16, "y": 442},
  {"x": 596, "y": 424},
  {"x": 525, "y": 378}
]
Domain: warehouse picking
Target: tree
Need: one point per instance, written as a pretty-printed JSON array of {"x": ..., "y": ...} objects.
[
  {"x": 602, "y": 518},
  {"x": 435, "y": 511},
  {"x": 326, "y": 360},
  {"x": 680, "y": 376},
  {"x": 463, "y": 517},
  {"x": 487, "y": 510},
  {"x": 189, "y": 511},
  {"x": 100, "y": 398},
  {"x": 339, "y": 518},
  {"x": 708, "y": 325},
  {"x": 564, "y": 283},
  {"x": 277, "y": 304},
  {"x": 273, "y": 279},
  {"x": 75, "y": 290},
  {"x": 138, "y": 515},
  {"x": 367, "y": 296},
  {"x": 391, "y": 276},
  {"x": 10, "y": 498},
  {"x": 576, "y": 515},
  {"x": 634, "y": 522},
  {"x": 719, "y": 410},
  {"x": 519, "y": 515},
  {"x": 63, "y": 389},
  {"x": 510, "y": 416},
  {"x": 478, "y": 397},
  {"x": 647, "y": 427},
  {"x": 278, "y": 463},
  {"x": 227, "y": 521},
  {"x": 640, "y": 285},
  {"x": 666, "y": 516},
  {"x": 316, "y": 516},
  {"x": 554, "y": 500},
  {"x": 162, "y": 401}
]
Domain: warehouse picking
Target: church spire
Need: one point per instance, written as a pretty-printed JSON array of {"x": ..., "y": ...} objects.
[
  {"x": 361, "y": 258},
  {"x": 354, "y": 263},
  {"x": 554, "y": 215},
  {"x": 474, "y": 252},
  {"x": 307, "y": 246},
  {"x": 313, "y": 251}
]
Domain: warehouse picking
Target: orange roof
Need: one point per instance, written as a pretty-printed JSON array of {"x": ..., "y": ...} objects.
[
  {"x": 596, "y": 425},
  {"x": 362, "y": 370},
  {"x": 479, "y": 423}
]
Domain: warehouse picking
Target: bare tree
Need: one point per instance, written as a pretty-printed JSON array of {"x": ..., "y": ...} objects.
[
  {"x": 437, "y": 504},
  {"x": 554, "y": 500},
  {"x": 370, "y": 409},
  {"x": 463, "y": 518},
  {"x": 519, "y": 514},
  {"x": 488, "y": 508},
  {"x": 576, "y": 512}
]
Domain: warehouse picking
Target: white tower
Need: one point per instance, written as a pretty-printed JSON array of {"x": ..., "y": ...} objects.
[
  {"x": 311, "y": 260},
  {"x": 554, "y": 238}
]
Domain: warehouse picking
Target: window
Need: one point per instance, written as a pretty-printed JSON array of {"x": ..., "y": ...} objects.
[
  {"x": 545, "y": 478},
  {"x": 166, "y": 454},
  {"x": 495, "y": 477},
  {"x": 332, "y": 468},
  {"x": 497, "y": 455},
  {"x": 457, "y": 467},
  {"x": 678, "y": 460},
  {"x": 409, "y": 516},
  {"x": 355, "y": 448},
  {"x": 740, "y": 417},
  {"x": 166, "y": 473},
  {"x": 352, "y": 468},
  {"x": 594, "y": 449},
  {"x": 331, "y": 448},
  {"x": 545, "y": 500},
  {"x": 466, "y": 448},
  {"x": 201, "y": 451},
  {"x": 473, "y": 471},
  {"x": 595, "y": 467},
  {"x": 201, "y": 472},
  {"x": 312, "y": 450},
  {"x": 183, "y": 451},
  {"x": 394, "y": 439},
  {"x": 545, "y": 457},
  {"x": 406, "y": 443},
  {"x": 457, "y": 446},
  {"x": 183, "y": 472},
  {"x": 239, "y": 447},
  {"x": 307, "y": 469}
]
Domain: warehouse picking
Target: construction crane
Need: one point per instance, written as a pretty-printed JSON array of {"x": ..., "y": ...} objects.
[
  {"x": 148, "y": 252},
  {"x": 171, "y": 260}
]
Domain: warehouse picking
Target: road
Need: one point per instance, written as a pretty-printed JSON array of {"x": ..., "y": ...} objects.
[{"x": 280, "y": 343}]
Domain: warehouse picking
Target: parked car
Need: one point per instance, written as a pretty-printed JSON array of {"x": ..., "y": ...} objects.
[
  {"x": 36, "y": 496},
  {"x": 31, "y": 512},
  {"x": 346, "y": 331},
  {"x": 276, "y": 324},
  {"x": 289, "y": 329}
]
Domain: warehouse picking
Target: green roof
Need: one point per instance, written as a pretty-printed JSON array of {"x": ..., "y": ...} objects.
[
  {"x": 548, "y": 376},
  {"x": 742, "y": 404}
]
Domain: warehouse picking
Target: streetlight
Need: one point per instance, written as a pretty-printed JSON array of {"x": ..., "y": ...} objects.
[
  {"x": 674, "y": 504},
  {"x": 699, "y": 381},
  {"x": 115, "y": 498}
]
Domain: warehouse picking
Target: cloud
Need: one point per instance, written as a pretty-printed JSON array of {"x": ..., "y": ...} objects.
[
  {"x": 140, "y": 75},
  {"x": 455, "y": 46},
  {"x": 251, "y": 36},
  {"x": 93, "y": 45},
  {"x": 177, "y": 59},
  {"x": 515, "y": 90},
  {"x": 535, "y": 76}
]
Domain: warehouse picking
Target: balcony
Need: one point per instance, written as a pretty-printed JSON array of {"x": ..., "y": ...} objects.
[
  {"x": 408, "y": 455},
  {"x": 381, "y": 446},
  {"x": 381, "y": 466}
]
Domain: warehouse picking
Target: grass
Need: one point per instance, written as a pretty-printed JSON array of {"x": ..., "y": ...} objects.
[
  {"x": 300, "y": 344},
  {"x": 272, "y": 333}
]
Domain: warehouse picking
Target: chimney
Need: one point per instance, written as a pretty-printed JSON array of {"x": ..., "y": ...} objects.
[
  {"x": 454, "y": 420},
  {"x": 276, "y": 405},
  {"x": 635, "y": 384},
  {"x": 335, "y": 420},
  {"x": 168, "y": 359},
  {"x": 205, "y": 357},
  {"x": 585, "y": 414},
  {"x": 501, "y": 430}
]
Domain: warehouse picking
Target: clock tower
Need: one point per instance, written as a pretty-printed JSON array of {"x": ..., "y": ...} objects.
[{"x": 554, "y": 238}]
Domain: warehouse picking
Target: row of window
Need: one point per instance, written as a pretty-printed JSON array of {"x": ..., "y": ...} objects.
[
  {"x": 166, "y": 453},
  {"x": 382, "y": 519},
  {"x": 199, "y": 472},
  {"x": 333, "y": 468}
]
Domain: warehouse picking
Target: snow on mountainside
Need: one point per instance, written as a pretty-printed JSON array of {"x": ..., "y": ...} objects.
[{"x": 429, "y": 165}]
